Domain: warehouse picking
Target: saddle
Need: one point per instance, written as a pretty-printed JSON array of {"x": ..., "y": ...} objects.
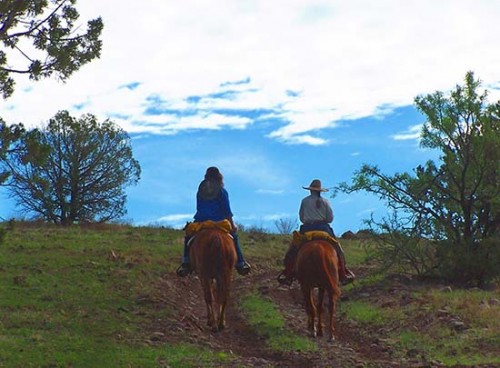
[
  {"x": 287, "y": 276},
  {"x": 299, "y": 239},
  {"x": 192, "y": 228}
]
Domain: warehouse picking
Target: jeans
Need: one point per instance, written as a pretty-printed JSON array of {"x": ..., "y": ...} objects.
[{"x": 317, "y": 227}]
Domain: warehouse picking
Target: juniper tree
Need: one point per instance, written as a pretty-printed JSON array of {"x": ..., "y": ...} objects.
[
  {"x": 81, "y": 175},
  {"x": 453, "y": 204},
  {"x": 42, "y": 38}
]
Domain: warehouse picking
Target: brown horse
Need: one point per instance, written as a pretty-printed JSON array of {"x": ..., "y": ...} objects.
[
  {"x": 213, "y": 258},
  {"x": 317, "y": 267}
]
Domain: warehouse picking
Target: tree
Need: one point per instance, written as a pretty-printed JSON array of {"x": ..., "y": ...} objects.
[
  {"x": 39, "y": 38},
  {"x": 455, "y": 203},
  {"x": 81, "y": 175},
  {"x": 285, "y": 226}
]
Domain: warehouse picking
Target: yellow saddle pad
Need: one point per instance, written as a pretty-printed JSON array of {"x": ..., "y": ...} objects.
[
  {"x": 193, "y": 227},
  {"x": 299, "y": 238}
]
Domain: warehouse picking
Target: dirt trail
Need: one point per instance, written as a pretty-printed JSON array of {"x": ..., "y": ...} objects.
[{"x": 188, "y": 324}]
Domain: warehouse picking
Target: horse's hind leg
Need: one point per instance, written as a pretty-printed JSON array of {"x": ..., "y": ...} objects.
[
  {"x": 222, "y": 298},
  {"x": 207, "y": 292},
  {"x": 310, "y": 309},
  {"x": 332, "y": 308},
  {"x": 321, "y": 294}
]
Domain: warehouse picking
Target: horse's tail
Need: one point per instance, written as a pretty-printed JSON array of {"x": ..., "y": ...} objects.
[
  {"x": 221, "y": 249},
  {"x": 216, "y": 250},
  {"x": 332, "y": 276},
  {"x": 324, "y": 263}
]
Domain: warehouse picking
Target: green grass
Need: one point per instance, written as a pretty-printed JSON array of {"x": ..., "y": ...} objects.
[
  {"x": 476, "y": 344},
  {"x": 435, "y": 338},
  {"x": 471, "y": 305},
  {"x": 446, "y": 346},
  {"x": 68, "y": 296},
  {"x": 355, "y": 252},
  {"x": 264, "y": 317},
  {"x": 265, "y": 250},
  {"x": 367, "y": 313}
]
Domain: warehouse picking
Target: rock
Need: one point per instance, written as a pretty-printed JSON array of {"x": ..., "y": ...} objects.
[
  {"x": 458, "y": 325},
  {"x": 157, "y": 336},
  {"x": 484, "y": 304},
  {"x": 443, "y": 313},
  {"x": 348, "y": 235},
  {"x": 412, "y": 353},
  {"x": 364, "y": 234},
  {"x": 493, "y": 301}
]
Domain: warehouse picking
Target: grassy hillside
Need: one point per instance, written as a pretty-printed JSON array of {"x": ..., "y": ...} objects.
[{"x": 108, "y": 296}]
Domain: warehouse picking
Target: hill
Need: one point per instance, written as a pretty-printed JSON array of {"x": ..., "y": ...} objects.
[{"x": 108, "y": 296}]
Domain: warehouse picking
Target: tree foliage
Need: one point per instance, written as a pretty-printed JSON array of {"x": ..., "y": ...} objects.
[
  {"x": 41, "y": 38},
  {"x": 454, "y": 202},
  {"x": 72, "y": 170},
  {"x": 15, "y": 140}
]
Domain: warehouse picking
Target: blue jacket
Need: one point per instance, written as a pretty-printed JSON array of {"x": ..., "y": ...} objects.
[{"x": 216, "y": 209}]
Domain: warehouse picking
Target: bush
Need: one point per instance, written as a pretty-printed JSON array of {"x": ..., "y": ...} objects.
[
  {"x": 285, "y": 226},
  {"x": 404, "y": 253},
  {"x": 470, "y": 265}
]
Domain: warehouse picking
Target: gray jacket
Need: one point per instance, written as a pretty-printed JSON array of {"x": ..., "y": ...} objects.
[{"x": 310, "y": 213}]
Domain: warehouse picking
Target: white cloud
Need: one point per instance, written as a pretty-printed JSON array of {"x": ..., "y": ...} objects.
[
  {"x": 345, "y": 60},
  {"x": 265, "y": 217},
  {"x": 175, "y": 217},
  {"x": 270, "y": 191},
  {"x": 299, "y": 139},
  {"x": 413, "y": 132}
]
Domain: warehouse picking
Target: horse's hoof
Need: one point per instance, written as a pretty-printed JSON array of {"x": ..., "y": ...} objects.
[{"x": 331, "y": 339}]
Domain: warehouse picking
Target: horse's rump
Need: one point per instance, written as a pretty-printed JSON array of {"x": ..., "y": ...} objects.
[
  {"x": 317, "y": 267},
  {"x": 213, "y": 258},
  {"x": 317, "y": 264},
  {"x": 211, "y": 252}
]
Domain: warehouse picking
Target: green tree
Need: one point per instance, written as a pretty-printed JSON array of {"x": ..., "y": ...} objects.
[
  {"x": 15, "y": 139},
  {"x": 81, "y": 175},
  {"x": 41, "y": 38},
  {"x": 452, "y": 206}
]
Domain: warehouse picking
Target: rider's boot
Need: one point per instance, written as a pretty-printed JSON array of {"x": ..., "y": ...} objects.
[
  {"x": 242, "y": 266},
  {"x": 185, "y": 268}
]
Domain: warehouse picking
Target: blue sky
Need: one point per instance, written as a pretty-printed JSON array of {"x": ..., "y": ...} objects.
[{"x": 273, "y": 93}]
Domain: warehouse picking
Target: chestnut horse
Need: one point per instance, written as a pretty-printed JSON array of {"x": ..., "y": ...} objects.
[
  {"x": 317, "y": 267},
  {"x": 213, "y": 258}
]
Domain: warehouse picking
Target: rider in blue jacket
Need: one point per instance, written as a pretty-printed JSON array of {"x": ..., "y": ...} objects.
[{"x": 212, "y": 203}]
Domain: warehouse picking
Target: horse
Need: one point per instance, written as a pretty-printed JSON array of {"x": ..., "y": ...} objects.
[
  {"x": 317, "y": 267},
  {"x": 213, "y": 258}
]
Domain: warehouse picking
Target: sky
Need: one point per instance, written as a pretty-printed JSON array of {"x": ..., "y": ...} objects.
[{"x": 273, "y": 93}]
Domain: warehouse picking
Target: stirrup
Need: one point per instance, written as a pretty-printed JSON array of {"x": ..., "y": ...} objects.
[
  {"x": 348, "y": 278},
  {"x": 183, "y": 270},
  {"x": 244, "y": 269}
]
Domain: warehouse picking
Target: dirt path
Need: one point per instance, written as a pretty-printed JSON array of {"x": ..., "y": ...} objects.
[{"x": 352, "y": 347}]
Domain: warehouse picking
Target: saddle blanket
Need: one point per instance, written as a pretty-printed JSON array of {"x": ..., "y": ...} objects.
[
  {"x": 299, "y": 239},
  {"x": 193, "y": 227}
]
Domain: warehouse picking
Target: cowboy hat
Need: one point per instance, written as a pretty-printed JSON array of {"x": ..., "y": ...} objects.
[{"x": 316, "y": 186}]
